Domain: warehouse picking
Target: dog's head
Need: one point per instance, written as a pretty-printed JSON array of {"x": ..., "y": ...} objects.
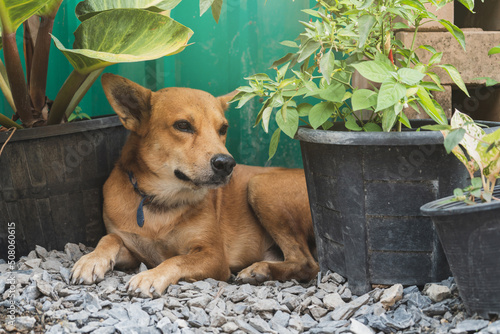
[{"x": 181, "y": 132}]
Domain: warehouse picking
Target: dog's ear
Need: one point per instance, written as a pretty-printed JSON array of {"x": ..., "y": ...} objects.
[
  {"x": 130, "y": 101},
  {"x": 224, "y": 99}
]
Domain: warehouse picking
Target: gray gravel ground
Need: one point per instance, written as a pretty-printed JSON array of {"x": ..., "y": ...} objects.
[{"x": 40, "y": 299}]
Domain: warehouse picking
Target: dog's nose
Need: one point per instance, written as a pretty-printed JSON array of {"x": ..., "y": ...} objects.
[{"x": 222, "y": 164}]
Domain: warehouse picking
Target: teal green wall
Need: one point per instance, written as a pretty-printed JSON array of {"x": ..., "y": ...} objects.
[{"x": 246, "y": 41}]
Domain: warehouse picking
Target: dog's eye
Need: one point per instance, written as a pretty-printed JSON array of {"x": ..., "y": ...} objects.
[
  {"x": 223, "y": 130},
  {"x": 183, "y": 126}
]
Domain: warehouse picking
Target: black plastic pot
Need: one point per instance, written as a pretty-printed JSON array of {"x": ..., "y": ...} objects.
[
  {"x": 470, "y": 236},
  {"x": 365, "y": 192},
  {"x": 51, "y": 182}
]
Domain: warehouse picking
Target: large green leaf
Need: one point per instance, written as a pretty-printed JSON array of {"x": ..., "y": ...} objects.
[
  {"x": 50, "y": 9},
  {"x": 320, "y": 113},
  {"x": 365, "y": 23},
  {"x": 390, "y": 93},
  {"x": 363, "y": 99},
  {"x": 455, "y": 76},
  {"x": 88, "y": 8},
  {"x": 123, "y": 36},
  {"x": 374, "y": 70},
  {"x": 14, "y": 12}
]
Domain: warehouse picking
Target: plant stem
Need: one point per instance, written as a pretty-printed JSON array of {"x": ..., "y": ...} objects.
[
  {"x": 64, "y": 97},
  {"x": 8, "y": 123},
  {"x": 38, "y": 84},
  {"x": 417, "y": 25},
  {"x": 15, "y": 74},
  {"x": 4, "y": 86},
  {"x": 31, "y": 26},
  {"x": 84, "y": 88}
]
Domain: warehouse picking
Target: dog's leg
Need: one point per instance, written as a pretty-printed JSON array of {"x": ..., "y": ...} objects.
[
  {"x": 109, "y": 251},
  {"x": 281, "y": 204},
  {"x": 196, "y": 265}
]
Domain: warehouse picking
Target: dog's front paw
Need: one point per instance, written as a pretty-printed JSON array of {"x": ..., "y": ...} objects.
[
  {"x": 149, "y": 283},
  {"x": 255, "y": 274},
  {"x": 91, "y": 268}
]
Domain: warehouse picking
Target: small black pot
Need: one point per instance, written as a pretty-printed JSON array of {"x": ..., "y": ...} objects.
[
  {"x": 470, "y": 236},
  {"x": 365, "y": 193},
  {"x": 51, "y": 182}
]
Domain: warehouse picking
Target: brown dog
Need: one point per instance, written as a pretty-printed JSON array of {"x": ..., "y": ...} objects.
[{"x": 201, "y": 215}]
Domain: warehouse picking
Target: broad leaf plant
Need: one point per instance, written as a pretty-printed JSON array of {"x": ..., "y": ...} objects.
[
  {"x": 111, "y": 32},
  {"x": 313, "y": 82},
  {"x": 478, "y": 151}
]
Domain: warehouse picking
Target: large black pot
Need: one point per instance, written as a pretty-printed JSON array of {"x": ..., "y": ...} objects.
[
  {"x": 470, "y": 236},
  {"x": 366, "y": 190},
  {"x": 51, "y": 182}
]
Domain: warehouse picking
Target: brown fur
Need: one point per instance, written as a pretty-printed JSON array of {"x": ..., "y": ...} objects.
[{"x": 254, "y": 221}]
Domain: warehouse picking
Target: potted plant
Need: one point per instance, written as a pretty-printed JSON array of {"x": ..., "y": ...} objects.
[
  {"x": 51, "y": 174},
  {"x": 467, "y": 223},
  {"x": 368, "y": 174}
]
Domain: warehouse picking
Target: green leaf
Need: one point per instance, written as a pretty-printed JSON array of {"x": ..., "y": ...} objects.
[
  {"x": 50, "y": 9},
  {"x": 290, "y": 44},
  {"x": 436, "y": 58},
  {"x": 273, "y": 146},
  {"x": 453, "y": 139},
  {"x": 311, "y": 12},
  {"x": 375, "y": 71},
  {"x": 489, "y": 81},
  {"x": 366, "y": 4},
  {"x": 326, "y": 65},
  {"x": 216, "y": 10},
  {"x": 266, "y": 116},
  {"x": 390, "y": 93},
  {"x": 334, "y": 92},
  {"x": 404, "y": 120},
  {"x": 428, "y": 48},
  {"x": 455, "y": 31},
  {"x": 436, "y": 127},
  {"x": 290, "y": 126},
  {"x": 469, "y": 4},
  {"x": 494, "y": 50},
  {"x": 457, "y": 192},
  {"x": 320, "y": 113},
  {"x": 283, "y": 60},
  {"x": 303, "y": 109},
  {"x": 13, "y": 13},
  {"x": 259, "y": 77},
  {"x": 456, "y": 77},
  {"x": 477, "y": 182},
  {"x": 205, "y": 5},
  {"x": 365, "y": 25},
  {"x": 309, "y": 48},
  {"x": 372, "y": 127},
  {"x": 351, "y": 123},
  {"x": 388, "y": 120},
  {"x": 431, "y": 110},
  {"x": 363, "y": 99},
  {"x": 100, "y": 42},
  {"x": 88, "y": 8},
  {"x": 244, "y": 99},
  {"x": 410, "y": 76}
]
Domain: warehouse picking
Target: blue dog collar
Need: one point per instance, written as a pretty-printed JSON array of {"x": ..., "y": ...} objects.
[{"x": 145, "y": 199}]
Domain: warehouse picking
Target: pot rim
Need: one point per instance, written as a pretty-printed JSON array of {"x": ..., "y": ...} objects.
[
  {"x": 404, "y": 138},
  {"x": 437, "y": 208},
  {"x": 62, "y": 129}
]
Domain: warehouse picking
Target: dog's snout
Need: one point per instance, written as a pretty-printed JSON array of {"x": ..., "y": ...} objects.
[{"x": 223, "y": 164}]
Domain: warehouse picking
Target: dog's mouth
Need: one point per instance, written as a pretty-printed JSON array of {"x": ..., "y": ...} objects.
[{"x": 214, "y": 182}]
